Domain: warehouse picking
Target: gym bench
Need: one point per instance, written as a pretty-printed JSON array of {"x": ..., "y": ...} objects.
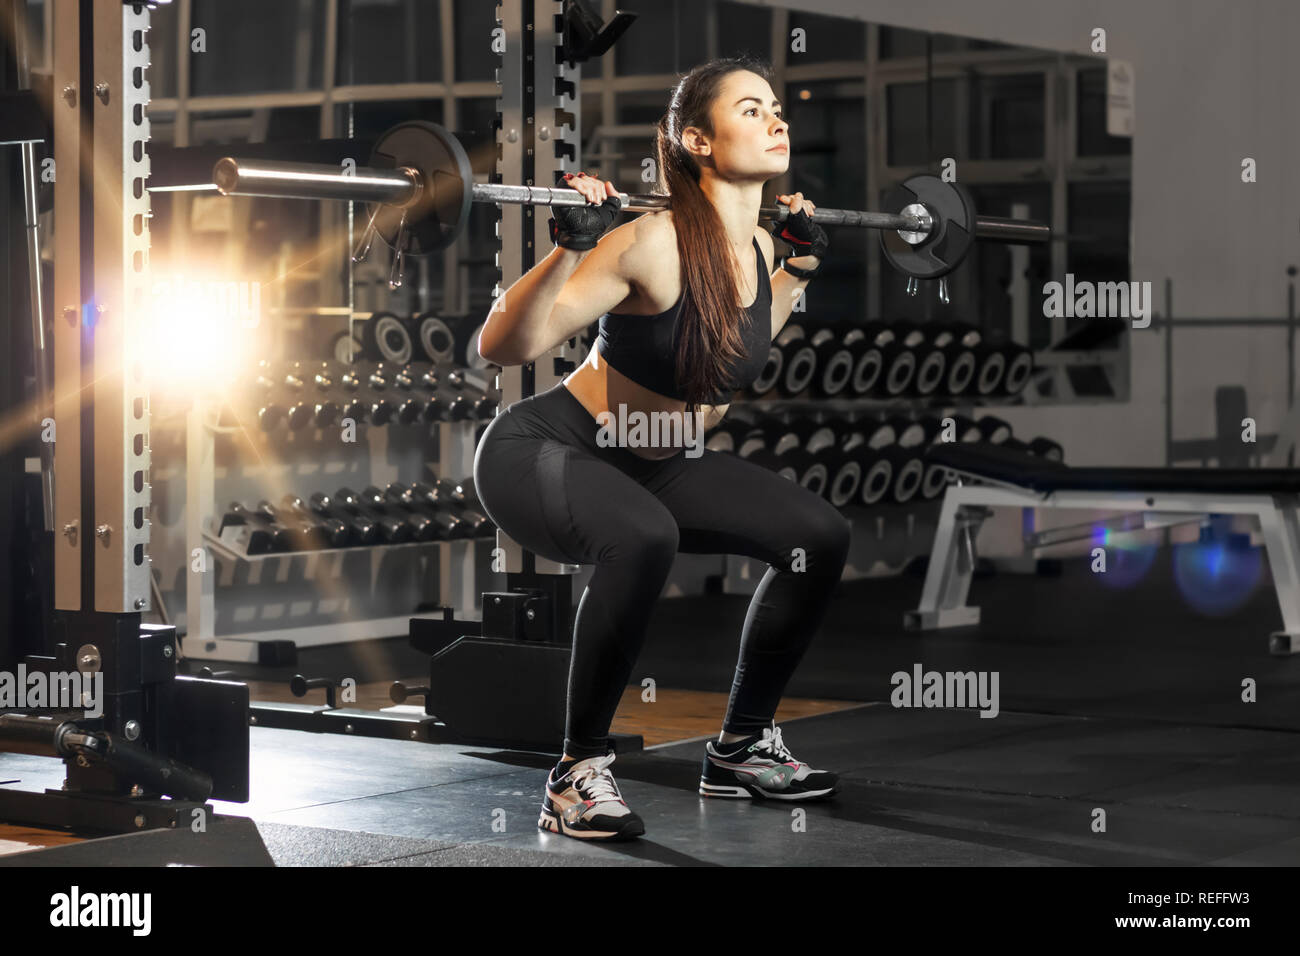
[{"x": 1149, "y": 498}]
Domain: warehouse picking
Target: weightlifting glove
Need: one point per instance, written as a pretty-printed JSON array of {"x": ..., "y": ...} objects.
[
  {"x": 799, "y": 229},
  {"x": 578, "y": 227}
]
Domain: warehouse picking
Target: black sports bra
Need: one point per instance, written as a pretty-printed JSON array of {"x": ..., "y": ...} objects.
[{"x": 644, "y": 347}]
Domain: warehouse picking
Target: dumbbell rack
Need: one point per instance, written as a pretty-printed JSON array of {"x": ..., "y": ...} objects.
[{"x": 456, "y": 559}]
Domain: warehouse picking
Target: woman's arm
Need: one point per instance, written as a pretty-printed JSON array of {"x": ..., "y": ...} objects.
[
  {"x": 786, "y": 288},
  {"x": 565, "y": 292},
  {"x": 551, "y": 302}
]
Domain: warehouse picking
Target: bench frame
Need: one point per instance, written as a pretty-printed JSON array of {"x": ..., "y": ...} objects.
[{"x": 965, "y": 506}]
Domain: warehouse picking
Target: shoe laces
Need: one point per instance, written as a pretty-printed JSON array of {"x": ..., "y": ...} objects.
[
  {"x": 771, "y": 743},
  {"x": 596, "y": 780}
]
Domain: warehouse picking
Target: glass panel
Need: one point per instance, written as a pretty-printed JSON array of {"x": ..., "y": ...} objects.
[
  {"x": 293, "y": 123},
  {"x": 907, "y": 140},
  {"x": 1007, "y": 118},
  {"x": 283, "y": 52},
  {"x": 743, "y": 28},
  {"x": 473, "y": 23},
  {"x": 1093, "y": 140},
  {"x": 1099, "y": 230},
  {"x": 990, "y": 262},
  {"x": 667, "y": 37},
  {"x": 371, "y": 118},
  {"x": 828, "y": 141},
  {"x": 896, "y": 42},
  {"x": 828, "y": 38},
  {"x": 388, "y": 41}
]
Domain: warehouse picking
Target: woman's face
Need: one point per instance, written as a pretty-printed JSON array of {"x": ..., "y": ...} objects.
[{"x": 751, "y": 139}]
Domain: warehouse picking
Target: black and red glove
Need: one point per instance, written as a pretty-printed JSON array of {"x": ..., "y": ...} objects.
[{"x": 807, "y": 238}]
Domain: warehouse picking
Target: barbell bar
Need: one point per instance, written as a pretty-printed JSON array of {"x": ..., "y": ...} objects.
[{"x": 419, "y": 171}]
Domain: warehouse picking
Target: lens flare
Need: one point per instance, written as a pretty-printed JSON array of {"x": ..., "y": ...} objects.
[
  {"x": 197, "y": 336},
  {"x": 1128, "y": 559},
  {"x": 1216, "y": 576}
]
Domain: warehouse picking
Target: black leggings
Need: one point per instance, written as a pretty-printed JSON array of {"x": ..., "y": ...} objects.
[{"x": 547, "y": 484}]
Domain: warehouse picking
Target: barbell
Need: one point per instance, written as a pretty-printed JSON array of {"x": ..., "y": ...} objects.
[{"x": 420, "y": 187}]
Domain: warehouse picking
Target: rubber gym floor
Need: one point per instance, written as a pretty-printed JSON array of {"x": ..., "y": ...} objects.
[{"x": 1124, "y": 700}]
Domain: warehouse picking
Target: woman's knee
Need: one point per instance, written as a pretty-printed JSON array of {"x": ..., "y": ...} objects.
[
  {"x": 823, "y": 539},
  {"x": 649, "y": 541}
]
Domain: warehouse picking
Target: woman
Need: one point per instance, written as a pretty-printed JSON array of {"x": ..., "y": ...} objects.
[{"x": 676, "y": 338}]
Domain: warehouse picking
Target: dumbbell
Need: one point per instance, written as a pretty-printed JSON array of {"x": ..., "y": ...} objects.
[
  {"x": 386, "y": 337},
  {"x": 314, "y": 530},
  {"x": 771, "y": 374},
  {"x": 833, "y": 362},
  {"x": 867, "y": 361},
  {"x": 864, "y": 444},
  {"x": 931, "y": 362},
  {"x": 446, "y": 526},
  {"x": 436, "y": 338},
  {"x": 392, "y": 529},
  {"x": 907, "y": 458},
  {"x": 800, "y": 360},
  {"x": 899, "y": 362},
  {"x": 383, "y": 407},
  {"x": 990, "y": 362},
  {"x": 468, "y": 401},
  {"x": 768, "y": 450},
  {"x": 422, "y": 526},
  {"x": 994, "y": 430},
  {"x": 305, "y": 533},
  {"x": 814, "y": 456},
  {"x": 460, "y": 499},
  {"x": 729, "y": 435},
  {"x": 960, "y": 359},
  {"x": 1020, "y": 368},
  {"x": 361, "y": 530},
  {"x": 853, "y": 458},
  {"x": 264, "y": 537},
  {"x": 935, "y": 478},
  {"x": 326, "y": 411},
  {"x": 355, "y": 405}
]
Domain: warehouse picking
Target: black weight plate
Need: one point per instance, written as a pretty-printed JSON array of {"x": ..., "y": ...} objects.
[
  {"x": 370, "y": 332},
  {"x": 437, "y": 340},
  {"x": 440, "y": 215},
  {"x": 948, "y": 242}
]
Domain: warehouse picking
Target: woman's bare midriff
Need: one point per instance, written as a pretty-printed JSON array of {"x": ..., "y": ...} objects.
[{"x": 602, "y": 388}]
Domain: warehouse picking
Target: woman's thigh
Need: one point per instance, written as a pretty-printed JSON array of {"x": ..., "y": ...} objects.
[
  {"x": 726, "y": 505},
  {"x": 564, "y": 502}
]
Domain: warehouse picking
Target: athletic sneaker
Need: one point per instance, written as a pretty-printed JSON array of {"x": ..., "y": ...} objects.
[
  {"x": 761, "y": 766},
  {"x": 585, "y": 803}
]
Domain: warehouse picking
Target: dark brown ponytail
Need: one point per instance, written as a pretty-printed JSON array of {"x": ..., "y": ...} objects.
[{"x": 710, "y": 337}]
